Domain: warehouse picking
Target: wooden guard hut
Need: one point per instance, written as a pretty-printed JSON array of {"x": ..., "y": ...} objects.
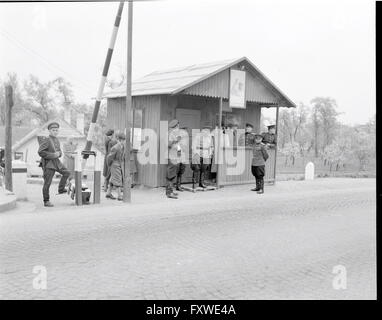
[{"x": 196, "y": 95}]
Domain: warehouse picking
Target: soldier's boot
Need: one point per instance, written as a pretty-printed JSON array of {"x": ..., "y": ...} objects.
[
  {"x": 169, "y": 191},
  {"x": 201, "y": 180},
  {"x": 257, "y": 186},
  {"x": 48, "y": 204},
  {"x": 179, "y": 184},
  {"x": 261, "y": 187}
]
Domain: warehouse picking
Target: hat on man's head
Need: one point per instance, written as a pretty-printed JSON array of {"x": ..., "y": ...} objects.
[
  {"x": 207, "y": 125},
  {"x": 249, "y": 125},
  {"x": 270, "y": 126},
  {"x": 120, "y": 136},
  {"x": 173, "y": 123},
  {"x": 109, "y": 132},
  {"x": 257, "y": 134},
  {"x": 53, "y": 125}
]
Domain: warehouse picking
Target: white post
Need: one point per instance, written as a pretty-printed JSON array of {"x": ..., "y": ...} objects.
[
  {"x": 19, "y": 179},
  {"x": 309, "y": 171}
]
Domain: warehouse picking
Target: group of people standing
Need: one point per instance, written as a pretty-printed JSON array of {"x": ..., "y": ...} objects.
[
  {"x": 202, "y": 155},
  {"x": 201, "y": 162},
  {"x": 260, "y": 143},
  {"x": 114, "y": 164}
]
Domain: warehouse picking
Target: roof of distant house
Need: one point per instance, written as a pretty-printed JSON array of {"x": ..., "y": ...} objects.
[
  {"x": 66, "y": 130},
  {"x": 17, "y": 134}
]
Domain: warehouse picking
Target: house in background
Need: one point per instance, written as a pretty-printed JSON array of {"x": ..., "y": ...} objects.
[
  {"x": 17, "y": 134},
  {"x": 25, "y": 145}
]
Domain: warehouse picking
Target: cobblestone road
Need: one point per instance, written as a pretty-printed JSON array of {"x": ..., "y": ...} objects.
[{"x": 226, "y": 244}]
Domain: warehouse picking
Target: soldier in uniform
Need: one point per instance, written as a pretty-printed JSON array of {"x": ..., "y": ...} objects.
[
  {"x": 181, "y": 166},
  {"x": 260, "y": 155},
  {"x": 50, "y": 153},
  {"x": 116, "y": 163},
  {"x": 247, "y": 139},
  {"x": 174, "y": 156},
  {"x": 109, "y": 143},
  {"x": 202, "y": 155},
  {"x": 269, "y": 138}
]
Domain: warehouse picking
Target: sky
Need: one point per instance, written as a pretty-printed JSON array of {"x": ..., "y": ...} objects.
[{"x": 308, "y": 48}]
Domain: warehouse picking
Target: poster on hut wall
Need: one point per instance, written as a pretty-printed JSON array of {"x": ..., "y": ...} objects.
[{"x": 237, "y": 89}]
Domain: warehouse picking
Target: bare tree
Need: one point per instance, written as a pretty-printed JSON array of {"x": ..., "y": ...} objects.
[
  {"x": 41, "y": 101},
  {"x": 21, "y": 115},
  {"x": 64, "y": 88},
  {"x": 325, "y": 114}
]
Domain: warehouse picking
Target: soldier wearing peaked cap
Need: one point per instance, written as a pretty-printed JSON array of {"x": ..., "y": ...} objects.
[
  {"x": 202, "y": 153},
  {"x": 110, "y": 141},
  {"x": 260, "y": 155},
  {"x": 181, "y": 165},
  {"x": 269, "y": 138},
  {"x": 247, "y": 139},
  {"x": 50, "y": 153}
]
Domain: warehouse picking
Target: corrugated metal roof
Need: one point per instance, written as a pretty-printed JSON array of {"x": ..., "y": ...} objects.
[
  {"x": 175, "y": 80},
  {"x": 170, "y": 80}
]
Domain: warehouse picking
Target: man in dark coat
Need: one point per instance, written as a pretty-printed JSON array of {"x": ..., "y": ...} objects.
[
  {"x": 269, "y": 138},
  {"x": 260, "y": 155},
  {"x": 50, "y": 153},
  {"x": 202, "y": 155},
  {"x": 109, "y": 143},
  {"x": 174, "y": 158},
  {"x": 247, "y": 139},
  {"x": 181, "y": 166}
]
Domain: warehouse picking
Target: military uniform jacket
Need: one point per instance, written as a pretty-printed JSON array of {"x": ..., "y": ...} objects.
[
  {"x": 260, "y": 154},
  {"x": 174, "y": 146},
  {"x": 269, "y": 138},
  {"x": 46, "y": 151},
  {"x": 247, "y": 139},
  {"x": 108, "y": 145}
]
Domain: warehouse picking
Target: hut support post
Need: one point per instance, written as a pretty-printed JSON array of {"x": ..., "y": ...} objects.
[
  {"x": 127, "y": 177},
  {"x": 218, "y": 167},
  {"x": 277, "y": 129},
  {"x": 8, "y": 138}
]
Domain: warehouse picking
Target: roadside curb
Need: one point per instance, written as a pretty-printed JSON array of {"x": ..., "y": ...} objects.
[{"x": 7, "y": 202}]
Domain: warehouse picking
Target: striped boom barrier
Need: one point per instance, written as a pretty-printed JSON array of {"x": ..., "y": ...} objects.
[{"x": 89, "y": 139}]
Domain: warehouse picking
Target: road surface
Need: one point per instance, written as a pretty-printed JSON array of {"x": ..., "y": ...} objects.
[{"x": 226, "y": 244}]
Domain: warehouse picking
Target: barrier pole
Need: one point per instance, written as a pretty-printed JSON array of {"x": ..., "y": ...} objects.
[
  {"x": 78, "y": 179},
  {"x": 97, "y": 179}
]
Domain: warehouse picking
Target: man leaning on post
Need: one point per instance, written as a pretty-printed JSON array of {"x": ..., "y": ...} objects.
[{"x": 50, "y": 153}]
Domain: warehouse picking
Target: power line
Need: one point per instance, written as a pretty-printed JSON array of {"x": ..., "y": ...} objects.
[{"x": 48, "y": 63}]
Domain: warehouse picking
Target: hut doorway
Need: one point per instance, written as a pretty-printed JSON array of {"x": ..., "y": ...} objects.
[{"x": 190, "y": 119}]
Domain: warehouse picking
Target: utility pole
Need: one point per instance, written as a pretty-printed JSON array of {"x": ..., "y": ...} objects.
[
  {"x": 8, "y": 137},
  {"x": 127, "y": 177}
]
